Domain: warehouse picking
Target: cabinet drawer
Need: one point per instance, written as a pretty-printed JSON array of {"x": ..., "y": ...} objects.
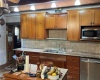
[
  {"x": 74, "y": 76},
  {"x": 71, "y": 63},
  {"x": 32, "y": 54},
  {"x": 33, "y": 60},
  {"x": 73, "y": 69},
  {"x": 73, "y": 58},
  {"x": 60, "y": 64}
]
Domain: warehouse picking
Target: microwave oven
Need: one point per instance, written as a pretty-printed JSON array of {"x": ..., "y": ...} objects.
[{"x": 90, "y": 34}]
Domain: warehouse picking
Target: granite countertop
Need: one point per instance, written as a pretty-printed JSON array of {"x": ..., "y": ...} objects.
[{"x": 69, "y": 52}]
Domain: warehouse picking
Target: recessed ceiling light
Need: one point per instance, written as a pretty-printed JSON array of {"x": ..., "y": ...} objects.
[
  {"x": 16, "y": 9},
  {"x": 77, "y": 2},
  {"x": 53, "y": 5},
  {"x": 32, "y": 7}
]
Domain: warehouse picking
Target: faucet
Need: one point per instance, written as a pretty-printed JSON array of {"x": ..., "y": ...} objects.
[{"x": 58, "y": 45}]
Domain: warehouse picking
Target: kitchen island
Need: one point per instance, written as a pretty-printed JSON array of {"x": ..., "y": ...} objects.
[
  {"x": 23, "y": 76},
  {"x": 61, "y": 60}
]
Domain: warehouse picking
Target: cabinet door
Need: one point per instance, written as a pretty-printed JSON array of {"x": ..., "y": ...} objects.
[
  {"x": 24, "y": 30},
  {"x": 96, "y": 17},
  {"x": 50, "y": 21},
  {"x": 40, "y": 29},
  {"x": 61, "y": 21},
  {"x": 73, "y": 66},
  {"x": 33, "y": 57},
  {"x": 73, "y": 28},
  {"x": 31, "y": 26},
  {"x": 86, "y": 17}
]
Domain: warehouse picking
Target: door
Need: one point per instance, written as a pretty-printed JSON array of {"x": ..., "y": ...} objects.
[
  {"x": 96, "y": 17},
  {"x": 50, "y": 21},
  {"x": 61, "y": 21},
  {"x": 40, "y": 29},
  {"x": 86, "y": 17}
]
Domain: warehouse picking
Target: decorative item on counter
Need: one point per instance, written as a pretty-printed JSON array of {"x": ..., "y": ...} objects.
[
  {"x": 27, "y": 64},
  {"x": 38, "y": 72},
  {"x": 47, "y": 70},
  {"x": 54, "y": 73},
  {"x": 44, "y": 72}
]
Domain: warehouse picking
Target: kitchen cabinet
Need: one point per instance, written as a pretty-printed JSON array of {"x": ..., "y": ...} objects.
[
  {"x": 73, "y": 66},
  {"x": 32, "y": 26},
  {"x": 56, "y": 59},
  {"x": 72, "y": 63},
  {"x": 40, "y": 26},
  {"x": 56, "y": 21},
  {"x": 24, "y": 30},
  {"x": 90, "y": 17},
  {"x": 33, "y": 57},
  {"x": 73, "y": 27}
]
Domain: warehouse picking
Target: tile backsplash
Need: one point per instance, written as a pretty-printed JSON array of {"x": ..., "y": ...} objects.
[{"x": 91, "y": 47}]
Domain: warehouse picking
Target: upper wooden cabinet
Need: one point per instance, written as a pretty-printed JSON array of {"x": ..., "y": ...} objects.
[
  {"x": 40, "y": 26},
  {"x": 24, "y": 30},
  {"x": 73, "y": 28},
  {"x": 32, "y": 26},
  {"x": 56, "y": 21},
  {"x": 90, "y": 17}
]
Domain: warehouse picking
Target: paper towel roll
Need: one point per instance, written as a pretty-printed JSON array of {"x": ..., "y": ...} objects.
[{"x": 26, "y": 64}]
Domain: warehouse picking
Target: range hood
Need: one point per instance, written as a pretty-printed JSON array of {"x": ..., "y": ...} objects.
[{"x": 3, "y": 7}]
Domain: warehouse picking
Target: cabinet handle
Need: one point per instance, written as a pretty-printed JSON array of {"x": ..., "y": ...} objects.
[{"x": 91, "y": 23}]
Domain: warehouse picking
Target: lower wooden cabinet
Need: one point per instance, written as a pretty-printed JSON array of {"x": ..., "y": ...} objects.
[
  {"x": 58, "y": 60},
  {"x": 73, "y": 66},
  {"x": 72, "y": 63},
  {"x": 33, "y": 57}
]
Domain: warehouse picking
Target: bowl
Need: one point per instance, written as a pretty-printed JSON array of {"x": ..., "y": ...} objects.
[{"x": 53, "y": 77}]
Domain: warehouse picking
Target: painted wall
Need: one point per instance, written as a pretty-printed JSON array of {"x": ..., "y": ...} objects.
[{"x": 2, "y": 44}]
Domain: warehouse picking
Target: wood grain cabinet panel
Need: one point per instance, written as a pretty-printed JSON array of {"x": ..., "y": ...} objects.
[
  {"x": 33, "y": 26},
  {"x": 50, "y": 21},
  {"x": 86, "y": 18},
  {"x": 33, "y": 57},
  {"x": 90, "y": 17},
  {"x": 96, "y": 17},
  {"x": 73, "y": 66},
  {"x": 73, "y": 28},
  {"x": 56, "y": 21},
  {"x": 58, "y": 60},
  {"x": 61, "y": 21},
  {"x": 40, "y": 28},
  {"x": 24, "y": 30}
]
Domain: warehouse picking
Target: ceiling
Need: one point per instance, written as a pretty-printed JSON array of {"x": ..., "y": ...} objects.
[{"x": 23, "y": 2}]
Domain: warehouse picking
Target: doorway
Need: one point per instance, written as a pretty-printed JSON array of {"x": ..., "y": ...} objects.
[{"x": 13, "y": 39}]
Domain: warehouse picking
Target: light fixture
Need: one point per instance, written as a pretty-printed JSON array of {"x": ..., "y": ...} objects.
[
  {"x": 16, "y": 9},
  {"x": 53, "y": 5},
  {"x": 77, "y": 2},
  {"x": 32, "y": 7}
]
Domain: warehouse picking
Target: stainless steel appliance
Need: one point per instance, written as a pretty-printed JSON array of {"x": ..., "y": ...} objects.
[
  {"x": 90, "y": 69},
  {"x": 90, "y": 33}
]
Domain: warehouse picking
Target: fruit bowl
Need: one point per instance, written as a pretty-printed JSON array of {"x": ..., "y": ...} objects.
[{"x": 53, "y": 77}]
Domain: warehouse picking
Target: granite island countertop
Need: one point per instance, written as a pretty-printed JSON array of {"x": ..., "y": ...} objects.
[{"x": 69, "y": 52}]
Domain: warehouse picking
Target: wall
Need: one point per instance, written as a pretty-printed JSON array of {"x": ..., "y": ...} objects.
[
  {"x": 2, "y": 44},
  {"x": 91, "y": 47}
]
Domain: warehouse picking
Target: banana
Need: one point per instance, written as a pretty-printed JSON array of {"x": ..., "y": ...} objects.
[{"x": 51, "y": 71}]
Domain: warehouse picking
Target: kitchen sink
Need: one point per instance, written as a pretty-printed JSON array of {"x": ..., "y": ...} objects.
[{"x": 54, "y": 51}]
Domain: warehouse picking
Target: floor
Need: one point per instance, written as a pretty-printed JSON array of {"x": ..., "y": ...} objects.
[{"x": 6, "y": 68}]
